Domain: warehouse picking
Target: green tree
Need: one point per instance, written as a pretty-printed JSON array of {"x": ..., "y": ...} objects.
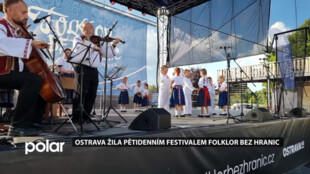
[
  {"x": 152, "y": 88},
  {"x": 298, "y": 41}
]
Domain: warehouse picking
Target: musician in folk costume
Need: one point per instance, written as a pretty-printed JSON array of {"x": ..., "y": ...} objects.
[
  {"x": 90, "y": 65},
  {"x": 62, "y": 64},
  {"x": 30, "y": 106},
  {"x": 65, "y": 69}
]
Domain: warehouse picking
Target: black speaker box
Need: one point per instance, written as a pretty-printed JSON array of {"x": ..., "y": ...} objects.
[
  {"x": 152, "y": 119},
  {"x": 258, "y": 114},
  {"x": 297, "y": 112}
]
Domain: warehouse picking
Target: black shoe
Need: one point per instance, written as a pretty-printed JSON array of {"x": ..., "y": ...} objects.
[
  {"x": 208, "y": 115},
  {"x": 214, "y": 114},
  {"x": 182, "y": 116},
  {"x": 189, "y": 115},
  {"x": 20, "y": 132},
  {"x": 200, "y": 115}
]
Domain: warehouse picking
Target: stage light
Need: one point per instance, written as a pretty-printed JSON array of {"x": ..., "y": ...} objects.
[
  {"x": 129, "y": 7},
  {"x": 143, "y": 11},
  {"x": 112, "y": 2}
]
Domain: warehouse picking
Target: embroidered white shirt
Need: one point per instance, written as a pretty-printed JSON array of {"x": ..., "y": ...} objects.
[
  {"x": 122, "y": 86},
  {"x": 138, "y": 90},
  {"x": 177, "y": 81}
]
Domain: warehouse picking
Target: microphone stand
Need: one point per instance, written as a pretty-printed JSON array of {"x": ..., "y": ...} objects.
[
  {"x": 55, "y": 41},
  {"x": 55, "y": 36},
  {"x": 267, "y": 67},
  {"x": 242, "y": 71},
  {"x": 104, "y": 113},
  {"x": 110, "y": 78}
]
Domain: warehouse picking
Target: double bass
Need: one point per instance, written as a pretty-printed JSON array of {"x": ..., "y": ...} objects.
[{"x": 51, "y": 90}]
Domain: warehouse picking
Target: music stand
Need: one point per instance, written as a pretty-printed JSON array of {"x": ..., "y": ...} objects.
[
  {"x": 78, "y": 59},
  {"x": 105, "y": 115}
]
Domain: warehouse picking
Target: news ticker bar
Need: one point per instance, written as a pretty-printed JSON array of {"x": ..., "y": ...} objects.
[{"x": 173, "y": 142}]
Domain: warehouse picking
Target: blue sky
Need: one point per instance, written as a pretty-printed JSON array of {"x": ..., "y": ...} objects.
[{"x": 284, "y": 11}]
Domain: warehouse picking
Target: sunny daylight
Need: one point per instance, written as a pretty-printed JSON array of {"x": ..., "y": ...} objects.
[{"x": 155, "y": 86}]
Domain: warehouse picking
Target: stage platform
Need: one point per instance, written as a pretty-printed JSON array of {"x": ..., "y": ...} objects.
[
  {"x": 122, "y": 129},
  {"x": 205, "y": 160}
]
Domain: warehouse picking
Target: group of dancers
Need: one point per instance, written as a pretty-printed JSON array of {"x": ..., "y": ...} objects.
[
  {"x": 141, "y": 98},
  {"x": 182, "y": 90},
  {"x": 181, "y": 95}
]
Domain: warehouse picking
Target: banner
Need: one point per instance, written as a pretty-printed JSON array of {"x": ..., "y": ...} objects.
[
  {"x": 255, "y": 155},
  {"x": 67, "y": 17},
  {"x": 285, "y": 58}
]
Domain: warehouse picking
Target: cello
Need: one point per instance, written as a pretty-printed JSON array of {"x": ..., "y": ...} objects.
[{"x": 51, "y": 90}]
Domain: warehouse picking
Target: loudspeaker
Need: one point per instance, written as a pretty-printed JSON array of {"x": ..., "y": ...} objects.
[
  {"x": 297, "y": 112},
  {"x": 152, "y": 119},
  {"x": 258, "y": 114}
]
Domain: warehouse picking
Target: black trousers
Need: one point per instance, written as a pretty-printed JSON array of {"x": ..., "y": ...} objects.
[
  {"x": 89, "y": 92},
  {"x": 30, "y": 107}
]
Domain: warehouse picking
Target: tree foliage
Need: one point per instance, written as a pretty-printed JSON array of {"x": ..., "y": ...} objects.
[{"x": 298, "y": 41}]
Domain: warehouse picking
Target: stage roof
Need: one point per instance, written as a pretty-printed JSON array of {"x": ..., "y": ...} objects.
[{"x": 151, "y": 6}]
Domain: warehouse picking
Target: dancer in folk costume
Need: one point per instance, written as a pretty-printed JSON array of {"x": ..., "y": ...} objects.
[
  {"x": 177, "y": 97},
  {"x": 123, "y": 99},
  {"x": 203, "y": 99},
  {"x": 188, "y": 90},
  {"x": 212, "y": 96},
  {"x": 146, "y": 97},
  {"x": 164, "y": 88},
  {"x": 223, "y": 95},
  {"x": 137, "y": 99}
]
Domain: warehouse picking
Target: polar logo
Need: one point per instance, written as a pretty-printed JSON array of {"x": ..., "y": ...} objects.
[{"x": 44, "y": 147}]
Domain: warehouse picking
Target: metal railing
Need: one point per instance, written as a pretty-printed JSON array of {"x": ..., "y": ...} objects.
[{"x": 259, "y": 72}]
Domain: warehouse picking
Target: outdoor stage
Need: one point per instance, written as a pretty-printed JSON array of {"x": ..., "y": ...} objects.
[{"x": 167, "y": 159}]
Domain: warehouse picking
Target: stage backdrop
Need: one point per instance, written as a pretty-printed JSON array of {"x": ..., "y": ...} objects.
[
  {"x": 197, "y": 34},
  {"x": 67, "y": 16}
]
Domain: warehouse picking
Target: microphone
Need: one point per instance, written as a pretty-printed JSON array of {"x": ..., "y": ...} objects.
[
  {"x": 39, "y": 19},
  {"x": 113, "y": 26},
  {"x": 122, "y": 67}
]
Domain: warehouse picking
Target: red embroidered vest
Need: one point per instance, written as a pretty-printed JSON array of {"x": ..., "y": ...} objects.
[{"x": 6, "y": 62}]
